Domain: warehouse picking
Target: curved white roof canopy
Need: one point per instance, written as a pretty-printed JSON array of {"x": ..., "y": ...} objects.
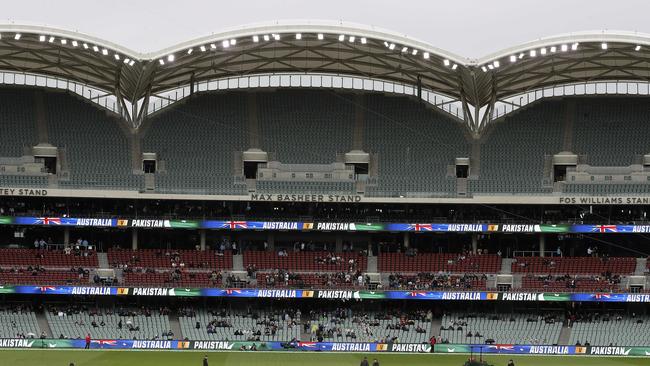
[{"x": 325, "y": 47}]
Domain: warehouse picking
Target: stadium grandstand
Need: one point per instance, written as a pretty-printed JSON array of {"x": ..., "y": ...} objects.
[{"x": 325, "y": 186}]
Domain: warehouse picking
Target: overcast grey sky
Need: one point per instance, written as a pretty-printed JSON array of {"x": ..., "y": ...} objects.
[{"x": 469, "y": 28}]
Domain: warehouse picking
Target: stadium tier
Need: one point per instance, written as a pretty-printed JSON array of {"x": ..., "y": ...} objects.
[
  {"x": 47, "y": 258},
  {"x": 448, "y": 262},
  {"x": 581, "y": 265},
  {"x": 306, "y": 127},
  {"x": 414, "y": 147},
  {"x": 123, "y": 323},
  {"x": 254, "y": 325},
  {"x": 305, "y": 261},
  {"x": 600, "y": 126},
  {"x": 196, "y": 144},
  {"x": 41, "y": 276},
  {"x": 165, "y": 258},
  {"x": 96, "y": 149},
  {"x": 413, "y": 150},
  {"x": 606, "y": 329},
  {"x": 513, "y": 151},
  {"x": 17, "y": 121},
  {"x": 369, "y": 326},
  {"x": 154, "y": 278},
  {"x": 501, "y": 328},
  {"x": 18, "y": 321}
]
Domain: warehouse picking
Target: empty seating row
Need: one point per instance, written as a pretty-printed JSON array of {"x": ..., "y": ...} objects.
[
  {"x": 42, "y": 278},
  {"x": 167, "y": 279},
  {"x": 161, "y": 258},
  {"x": 574, "y": 265},
  {"x": 447, "y": 262},
  {"x": 500, "y": 328},
  {"x": 265, "y": 325},
  {"x": 581, "y": 284},
  {"x": 18, "y": 322},
  {"x": 306, "y": 261},
  {"x": 47, "y": 258}
]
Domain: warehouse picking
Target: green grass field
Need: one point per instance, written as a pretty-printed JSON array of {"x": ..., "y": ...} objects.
[{"x": 170, "y": 358}]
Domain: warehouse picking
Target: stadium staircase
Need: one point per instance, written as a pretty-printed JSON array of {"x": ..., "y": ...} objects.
[
  {"x": 305, "y": 336},
  {"x": 565, "y": 336},
  {"x": 641, "y": 266},
  {"x": 119, "y": 275},
  {"x": 238, "y": 262},
  {"x": 506, "y": 265},
  {"x": 569, "y": 118},
  {"x": 175, "y": 326},
  {"x": 359, "y": 118},
  {"x": 253, "y": 121},
  {"x": 41, "y": 118},
  {"x": 436, "y": 323},
  {"x": 44, "y": 325},
  {"x": 475, "y": 158},
  {"x": 102, "y": 260},
  {"x": 372, "y": 264}
]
